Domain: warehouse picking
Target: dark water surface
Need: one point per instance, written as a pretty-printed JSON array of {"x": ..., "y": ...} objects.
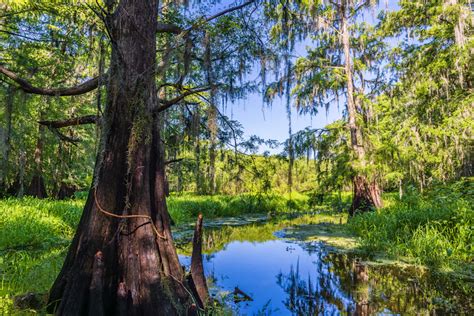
[{"x": 286, "y": 277}]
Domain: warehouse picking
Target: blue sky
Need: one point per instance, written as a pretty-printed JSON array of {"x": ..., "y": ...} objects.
[
  {"x": 271, "y": 122},
  {"x": 268, "y": 122}
]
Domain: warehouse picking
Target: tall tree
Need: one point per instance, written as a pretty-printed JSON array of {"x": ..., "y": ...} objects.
[{"x": 342, "y": 54}]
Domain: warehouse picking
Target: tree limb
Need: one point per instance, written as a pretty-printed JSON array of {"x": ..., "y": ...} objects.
[
  {"x": 229, "y": 10},
  {"x": 175, "y": 29},
  {"x": 168, "y": 28},
  {"x": 27, "y": 87},
  {"x": 165, "y": 104},
  {"x": 63, "y": 137},
  {"x": 82, "y": 120},
  {"x": 168, "y": 162}
]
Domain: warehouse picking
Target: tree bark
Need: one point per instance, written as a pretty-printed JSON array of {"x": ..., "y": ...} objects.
[
  {"x": 197, "y": 268},
  {"x": 122, "y": 260},
  {"x": 366, "y": 194},
  {"x": 5, "y": 144}
]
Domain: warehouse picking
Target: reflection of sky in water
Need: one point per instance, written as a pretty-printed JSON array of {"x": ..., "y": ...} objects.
[{"x": 254, "y": 268}]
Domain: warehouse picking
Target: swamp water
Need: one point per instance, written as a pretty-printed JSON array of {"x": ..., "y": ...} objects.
[{"x": 287, "y": 276}]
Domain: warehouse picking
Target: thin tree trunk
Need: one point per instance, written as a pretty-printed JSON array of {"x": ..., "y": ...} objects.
[
  {"x": 18, "y": 187},
  {"x": 366, "y": 195},
  {"x": 5, "y": 144},
  {"x": 37, "y": 187},
  {"x": 122, "y": 260},
  {"x": 291, "y": 157},
  {"x": 211, "y": 119},
  {"x": 197, "y": 149}
]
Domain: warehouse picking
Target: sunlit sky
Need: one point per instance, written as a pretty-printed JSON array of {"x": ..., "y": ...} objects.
[{"x": 267, "y": 122}]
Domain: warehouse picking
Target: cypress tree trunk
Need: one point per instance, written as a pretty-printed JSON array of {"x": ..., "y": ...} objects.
[
  {"x": 122, "y": 260},
  {"x": 366, "y": 194}
]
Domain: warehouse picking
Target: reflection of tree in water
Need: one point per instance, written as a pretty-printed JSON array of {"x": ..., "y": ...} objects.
[
  {"x": 341, "y": 284},
  {"x": 317, "y": 293}
]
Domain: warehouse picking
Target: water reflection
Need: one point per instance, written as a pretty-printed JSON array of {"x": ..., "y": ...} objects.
[
  {"x": 292, "y": 278},
  {"x": 331, "y": 288}
]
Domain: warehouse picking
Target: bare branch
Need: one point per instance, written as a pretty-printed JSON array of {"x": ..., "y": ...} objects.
[{"x": 27, "y": 87}]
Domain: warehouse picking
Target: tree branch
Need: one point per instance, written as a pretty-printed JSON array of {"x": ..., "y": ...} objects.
[
  {"x": 82, "y": 120},
  {"x": 175, "y": 29},
  {"x": 168, "y": 162},
  {"x": 165, "y": 104},
  {"x": 27, "y": 87},
  {"x": 229, "y": 10},
  {"x": 63, "y": 137},
  {"x": 168, "y": 28}
]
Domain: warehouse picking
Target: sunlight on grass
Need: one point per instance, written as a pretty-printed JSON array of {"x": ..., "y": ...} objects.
[{"x": 433, "y": 230}]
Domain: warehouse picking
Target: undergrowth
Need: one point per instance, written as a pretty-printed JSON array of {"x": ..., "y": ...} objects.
[{"x": 433, "y": 229}]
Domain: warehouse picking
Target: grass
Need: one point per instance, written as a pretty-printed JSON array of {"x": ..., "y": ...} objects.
[
  {"x": 434, "y": 229},
  {"x": 35, "y": 234},
  {"x": 184, "y": 208}
]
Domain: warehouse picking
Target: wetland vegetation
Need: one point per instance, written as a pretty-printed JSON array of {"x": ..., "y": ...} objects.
[{"x": 131, "y": 181}]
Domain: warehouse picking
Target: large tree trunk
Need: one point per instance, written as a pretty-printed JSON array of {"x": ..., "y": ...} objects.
[
  {"x": 366, "y": 194},
  {"x": 122, "y": 260}
]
